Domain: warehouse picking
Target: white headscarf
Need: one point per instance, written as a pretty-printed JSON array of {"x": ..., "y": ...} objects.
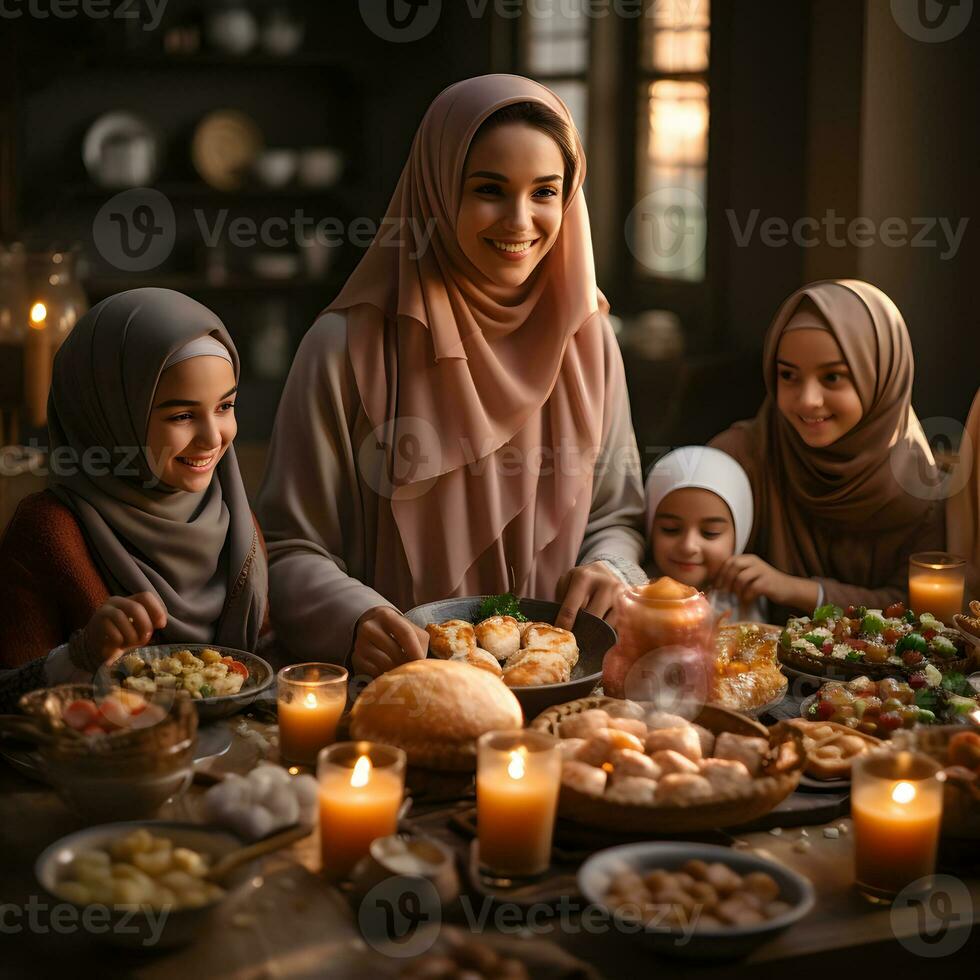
[{"x": 703, "y": 468}]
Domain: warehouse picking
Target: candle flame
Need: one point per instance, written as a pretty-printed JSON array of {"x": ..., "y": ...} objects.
[
  {"x": 39, "y": 313},
  {"x": 362, "y": 772},
  {"x": 517, "y": 765},
  {"x": 903, "y": 793},
  {"x": 310, "y": 700}
]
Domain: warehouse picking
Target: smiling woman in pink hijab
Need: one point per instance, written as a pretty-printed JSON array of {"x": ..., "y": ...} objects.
[{"x": 443, "y": 418}]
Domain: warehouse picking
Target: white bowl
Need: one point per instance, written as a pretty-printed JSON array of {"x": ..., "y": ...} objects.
[
  {"x": 320, "y": 166},
  {"x": 276, "y": 168},
  {"x": 137, "y": 930},
  {"x": 728, "y": 942}
]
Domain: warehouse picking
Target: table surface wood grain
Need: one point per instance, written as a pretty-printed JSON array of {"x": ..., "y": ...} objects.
[{"x": 288, "y": 923}]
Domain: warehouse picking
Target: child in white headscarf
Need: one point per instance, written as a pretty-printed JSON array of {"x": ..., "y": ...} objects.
[{"x": 699, "y": 514}]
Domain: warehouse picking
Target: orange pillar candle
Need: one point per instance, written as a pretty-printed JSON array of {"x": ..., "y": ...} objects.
[
  {"x": 310, "y": 700},
  {"x": 361, "y": 790},
  {"x": 517, "y": 782},
  {"x": 896, "y": 805},
  {"x": 936, "y": 584}
]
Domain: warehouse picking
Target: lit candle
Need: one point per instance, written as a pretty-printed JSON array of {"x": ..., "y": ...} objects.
[
  {"x": 896, "y": 804},
  {"x": 37, "y": 364},
  {"x": 936, "y": 582},
  {"x": 310, "y": 699},
  {"x": 517, "y": 782},
  {"x": 361, "y": 789}
]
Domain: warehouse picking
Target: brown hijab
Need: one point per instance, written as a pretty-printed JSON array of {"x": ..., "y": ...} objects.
[
  {"x": 198, "y": 552},
  {"x": 460, "y": 377},
  {"x": 843, "y": 511},
  {"x": 963, "y": 509}
]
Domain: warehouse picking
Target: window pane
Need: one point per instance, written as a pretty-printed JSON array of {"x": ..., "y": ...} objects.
[
  {"x": 557, "y": 55},
  {"x": 667, "y": 231},
  {"x": 556, "y": 17},
  {"x": 675, "y": 14},
  {"x": 575, "y": 96},
  {"x": 677, "y": 123}
]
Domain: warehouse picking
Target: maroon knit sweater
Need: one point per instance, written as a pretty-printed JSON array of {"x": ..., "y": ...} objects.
[{"x": 49, "y": 584}]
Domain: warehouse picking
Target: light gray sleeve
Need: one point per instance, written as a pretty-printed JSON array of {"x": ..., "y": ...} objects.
[
  {"x": 614, "y": 533},
  {"x": 309, "y": 504}
]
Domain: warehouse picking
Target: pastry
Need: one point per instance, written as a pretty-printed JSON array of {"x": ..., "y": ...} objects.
[
  {"x": 632, "y": 725},
  {"x": 554, "y": 639},
  {"x": 435, "y": 710},
  {"x": 664, "y": 719},
  {"x": 536, "y": 667},
  {"x": 632, "y": 789},
  {"x": 747, "y": 673},
  {"x": 682, "y": 740},
  {"x": 598, "y": 748},
  {"x": 831, "y": 748},
  {"x": 683, "y": 787},
  {"x": 749, "y": 750},
  {"x": 584, "y": 724},
  {"x": 569, "y": 747},
  {"x": 453, "y": 637},
  {"x": 499, "y": 635},
  {"x": 707, "y": 740},
  {"x": 727, "y": 776},
  {"x": 629, "y": 762},
  {"x": 583, "y": 778},
  {"x": 524, "y": 627},
  {"x": 480, "y": 659},
  {"x": 671, "y": 761}
]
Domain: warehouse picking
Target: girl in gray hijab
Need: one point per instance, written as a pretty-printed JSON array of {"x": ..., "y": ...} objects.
[{"x": 145, "y": 530}]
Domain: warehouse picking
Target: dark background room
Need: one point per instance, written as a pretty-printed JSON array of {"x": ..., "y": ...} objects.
[{"x": 778, "y": 141}]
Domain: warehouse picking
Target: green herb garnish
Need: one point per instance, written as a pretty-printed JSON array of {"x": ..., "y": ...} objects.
[
  {"x": 912, "y": 641},
  {"x": 872, "y": 624},
  {"x": 501, "y": 605},
  {"x": 207, "y": 691},
  {"x": 829, "y": 611}
]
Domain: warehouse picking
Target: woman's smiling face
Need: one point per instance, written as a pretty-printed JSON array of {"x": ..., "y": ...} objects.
[{"x": 511, "y": 206}]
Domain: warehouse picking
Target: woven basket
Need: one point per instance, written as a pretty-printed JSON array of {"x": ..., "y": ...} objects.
[{"x": 767, "y": 790}]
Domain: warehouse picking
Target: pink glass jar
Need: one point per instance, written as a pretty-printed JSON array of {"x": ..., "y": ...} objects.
[{"x": 660, "y": 621}]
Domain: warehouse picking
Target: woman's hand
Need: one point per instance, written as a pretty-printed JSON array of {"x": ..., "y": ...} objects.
[
  {"x": 749, "y": 577},
  {"x": 593, "y": 587},
  {"x": 384, "y": 638},
  {"x": 121, "y": 623}
]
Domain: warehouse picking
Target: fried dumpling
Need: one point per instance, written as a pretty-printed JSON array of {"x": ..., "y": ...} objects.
[
  {"x": 480, "y": 659},
  {"x": 554, "y": 639},
  {"x": 454, "y": 637},
  {"x": 535, "y": 668},
  {"x": 499, "y": 635}
]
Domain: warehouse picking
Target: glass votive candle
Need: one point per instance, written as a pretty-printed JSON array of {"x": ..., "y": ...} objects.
[
  {"x": 896, "y": 806},
  {"x": 361, "y": 790},
  {"x": 936, "y": 583},
  {"x": 310, "y": 700},
  {"x": 518, "y": 776}
]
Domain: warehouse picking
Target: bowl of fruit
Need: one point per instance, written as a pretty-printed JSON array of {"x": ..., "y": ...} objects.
[
  {"x": 861, "y": 642},
  {"x": 888, "y": 705},
  {"x": 112, "y": 754}
]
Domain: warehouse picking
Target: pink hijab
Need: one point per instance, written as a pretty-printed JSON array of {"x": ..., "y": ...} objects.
[{"x": 463, "y": 376}]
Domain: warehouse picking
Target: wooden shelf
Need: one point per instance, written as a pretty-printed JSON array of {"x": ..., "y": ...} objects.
[
  {"x": 191, "y": 282},
  {"x": 198, "y": 189}
]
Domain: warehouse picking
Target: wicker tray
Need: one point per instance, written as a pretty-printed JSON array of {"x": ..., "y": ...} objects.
[{"x": 768, "y": 790}]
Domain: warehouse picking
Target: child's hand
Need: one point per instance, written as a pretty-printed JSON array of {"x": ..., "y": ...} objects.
[
  {"x": 122, "y": 623},
  {"x": 749, "y": 577},
  {"x": 593, "y": 587},
  {"x": 385, "y": 639}
]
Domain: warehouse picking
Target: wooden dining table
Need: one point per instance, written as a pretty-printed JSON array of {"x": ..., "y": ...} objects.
[{"x": 287, "y": 922}]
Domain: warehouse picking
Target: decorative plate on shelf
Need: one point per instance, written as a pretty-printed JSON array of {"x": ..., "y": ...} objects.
[{"x": 224, "y": 148}]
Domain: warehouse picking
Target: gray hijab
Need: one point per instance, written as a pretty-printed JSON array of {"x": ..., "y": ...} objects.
[{"x": 199, "y": 552}]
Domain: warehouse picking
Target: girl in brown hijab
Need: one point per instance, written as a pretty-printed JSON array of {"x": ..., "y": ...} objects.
[
  {"x": 963, "y": 509},
  {"x": 843, "y": 477},
  {"x": 442, "y": 419}
]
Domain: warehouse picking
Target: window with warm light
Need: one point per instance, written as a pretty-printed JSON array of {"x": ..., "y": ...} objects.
[{"x": 672, "y": 141}]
